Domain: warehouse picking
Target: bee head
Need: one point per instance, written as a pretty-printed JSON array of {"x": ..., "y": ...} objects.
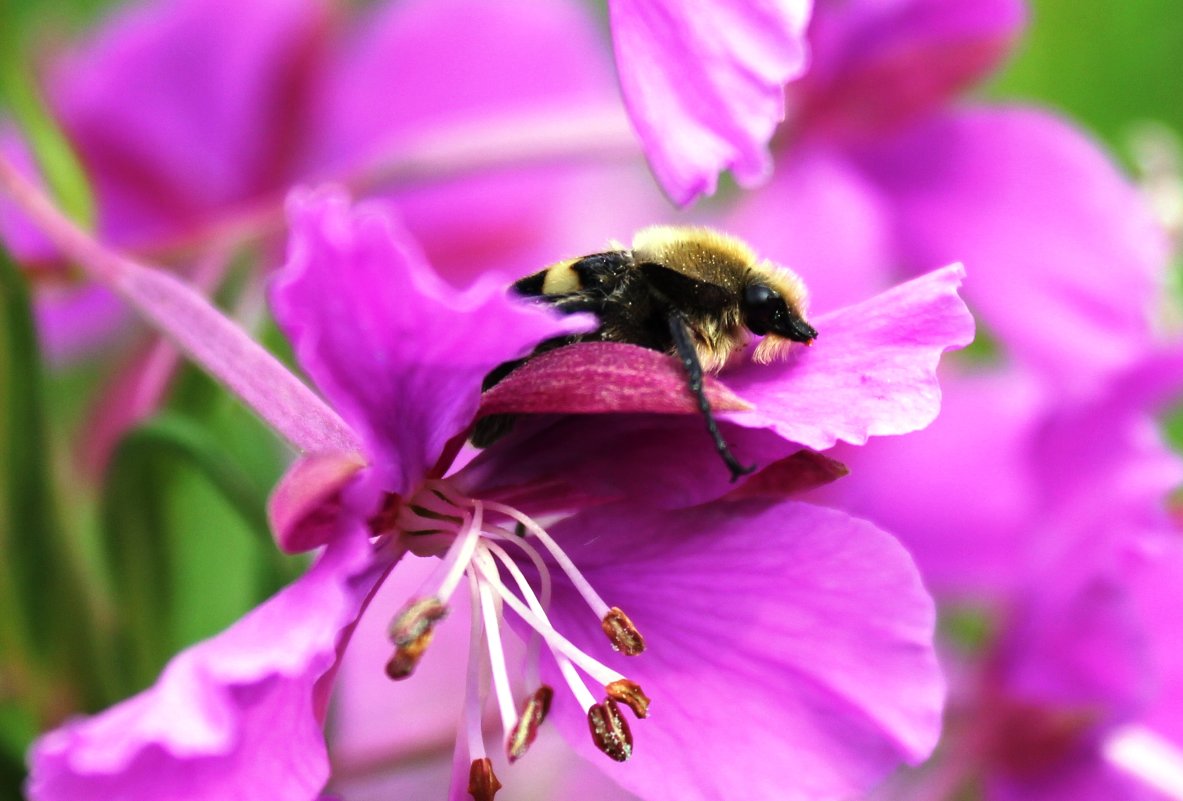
[{"x": 766, "y": 312}]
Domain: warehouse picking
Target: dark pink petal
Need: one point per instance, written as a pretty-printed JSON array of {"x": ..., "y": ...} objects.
[
  {"x": 179, "y": 108},
  {"x": 1086, "y": 778},
  {"x": 1065, "y": 259},
  {"x": 398, "y": 352},
  {"x": 603, "y": 377},
  {"x": 876, "y": 64},
  {"x": 704, "y": 84},
  {"x": 871, "y": 372},
  {"x": 239, "y": 716},
  {"x": 657, "y": 460},
  {"x": 789, "y": 649}
]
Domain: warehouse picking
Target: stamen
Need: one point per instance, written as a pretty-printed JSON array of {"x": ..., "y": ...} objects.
[
  {"x": 610, "y": 730},
  {"x": 622, "y": 633},
  {"x": 482, "y": 782},
  {"x": 564, "y": 562},
  {"x": 496, "y": 653},
  {"x": 522, "y": 735},
  {"x": 459, "y": 556},
  {"x": 473, "y": 697},
  {"x": 411, "y": 632},
  {"x": 629, "y": 693},
  {"x": 538, "y": 604},
  {"x": 575, "y": 684},
  {"x": 603, "y": 674}
]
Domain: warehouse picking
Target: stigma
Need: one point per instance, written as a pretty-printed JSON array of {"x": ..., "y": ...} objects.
[{"x": 508, "y": 562}]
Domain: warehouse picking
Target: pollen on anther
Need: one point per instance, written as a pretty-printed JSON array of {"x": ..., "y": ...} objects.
[
  {"x": 630, "y": 694},
  {"x": 622, "y": 633},
  {"x": 522, "y": 736},
  {"x": 610, "y": 731},
  {"x": 411, "y": 632}
]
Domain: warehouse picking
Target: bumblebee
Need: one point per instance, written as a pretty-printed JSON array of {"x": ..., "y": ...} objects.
[{"x": 693, "y": 293}]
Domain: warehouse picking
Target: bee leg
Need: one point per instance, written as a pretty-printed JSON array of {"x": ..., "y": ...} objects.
[{"x": 684, "y": 345}]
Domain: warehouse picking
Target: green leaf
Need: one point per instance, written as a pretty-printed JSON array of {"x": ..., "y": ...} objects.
[
  {"x": 184, "y": 528},
  {"x": 29, "y": 535},
  {"x": 1107, "y": 64}
]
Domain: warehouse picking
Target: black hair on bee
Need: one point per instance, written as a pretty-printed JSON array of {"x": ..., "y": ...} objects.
[{"x": 694, "y": 293}]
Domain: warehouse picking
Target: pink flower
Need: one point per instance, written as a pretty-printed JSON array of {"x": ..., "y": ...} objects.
[
  {"x": 1033, "y": 498},
  {"x": 784, "y": 688}
]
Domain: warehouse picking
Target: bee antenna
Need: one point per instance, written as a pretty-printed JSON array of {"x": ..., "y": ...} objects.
[{"x": 684, "y": 345}]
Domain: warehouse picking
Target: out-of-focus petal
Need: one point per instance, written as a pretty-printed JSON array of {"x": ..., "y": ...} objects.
[
  {"x": 960, "y": 494},
  {"x": 875, "y": 64},
  {"x": 704, "y": 83},
  {"x": 821, "y": 217},
  {"x": 1065, "y": 259},
  {"x": 1156, "y": 589},
  {"x": 511, "y": 72},
  {"x": 398, "y": 352},
  {"x": 1077, "y": 780},
  {"x": 71, "y": 322},
  {"x": 236, "y": 717},
  {"x": 871, "y": 372},
  {"x": 789, "y": 649},
  {"x": 486, "y": 59},
  {"x": 179, "y": 109}
]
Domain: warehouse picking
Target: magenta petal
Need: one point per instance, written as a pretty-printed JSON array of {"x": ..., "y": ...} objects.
[
  {"x": 871, "y": 372},
  {"x": 603, "y": 377},
  {"x": 398, "y": 352},
  {"x": 1064, "y": 256},
  {"x": 238, "y": 716},
  {"x": 704, "y": 83},
  {"x": 789, "y": 649}
]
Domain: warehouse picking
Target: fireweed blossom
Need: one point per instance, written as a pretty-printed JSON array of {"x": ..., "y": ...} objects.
[
  {"x": 706, "y": 584},
  {"x": 1047, "y": 460}
]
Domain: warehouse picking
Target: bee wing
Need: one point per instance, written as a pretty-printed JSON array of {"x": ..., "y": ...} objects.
[{"x": 683, "y": 292}]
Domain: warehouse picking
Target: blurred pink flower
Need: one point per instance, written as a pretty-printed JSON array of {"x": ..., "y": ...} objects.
[
  {"x": 1045, "y": 477},
  {"x": 803, "y": 668}
]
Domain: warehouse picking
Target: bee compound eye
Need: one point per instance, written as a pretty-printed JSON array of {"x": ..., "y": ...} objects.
[{"x": 761, "y": 307}]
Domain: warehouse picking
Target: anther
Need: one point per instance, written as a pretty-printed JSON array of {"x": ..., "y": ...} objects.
[
  {"x": 526, "y": 729},
  {"x": 609, "y": 730},
  {"x": 629, "y": 693},
  {"x": 482, "y": 782},
  {"x": 622, "y": 633},
  {"x": 411, "y": 632}
]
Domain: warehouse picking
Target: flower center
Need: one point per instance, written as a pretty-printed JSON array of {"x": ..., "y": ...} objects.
[{"x": 486, "y": 544}]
